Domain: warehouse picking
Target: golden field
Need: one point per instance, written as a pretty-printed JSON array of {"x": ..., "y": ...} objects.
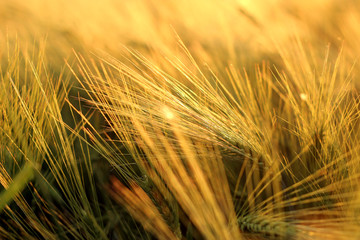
[{"x": 184, "y": 119}]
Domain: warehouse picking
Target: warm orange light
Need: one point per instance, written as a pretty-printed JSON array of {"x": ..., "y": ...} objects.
[{"x": 168, "y": 113}]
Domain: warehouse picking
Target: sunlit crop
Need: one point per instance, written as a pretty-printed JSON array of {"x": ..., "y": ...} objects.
[{"x": 179, "y": 119}]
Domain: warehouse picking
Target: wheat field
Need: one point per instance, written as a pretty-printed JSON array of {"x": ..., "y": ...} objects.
[{"x": 185, "y": 120}]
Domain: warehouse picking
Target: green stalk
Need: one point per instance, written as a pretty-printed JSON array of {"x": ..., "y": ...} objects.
[{"x": 17, "y": 185}]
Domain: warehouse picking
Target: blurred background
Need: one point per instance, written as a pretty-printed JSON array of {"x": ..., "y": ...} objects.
[{"x": 219, "y": 32}]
